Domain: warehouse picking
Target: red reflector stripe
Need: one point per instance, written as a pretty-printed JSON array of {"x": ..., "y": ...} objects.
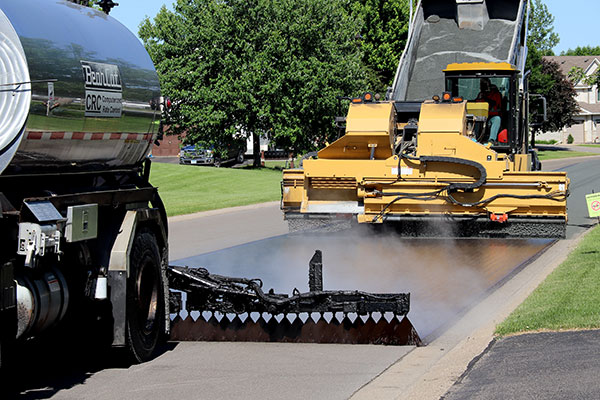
[
  {"x": 34, "y": 135},
  {"x": 37, "y": 135}
]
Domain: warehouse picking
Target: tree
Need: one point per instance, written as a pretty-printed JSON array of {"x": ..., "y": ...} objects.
[
  {"x": 560, "y": 96},
  {"x": 383, "y": 37},
  {"x": 577, "y": 74},
  {"x": 541, "y": 36},
  {"x": 582, "y": 51},
  {"x": 540, "y": 41},
  {"x": 546, "y": 78},
  {"x": 262, "y": 67}
]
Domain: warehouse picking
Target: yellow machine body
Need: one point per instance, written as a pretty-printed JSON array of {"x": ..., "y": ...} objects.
[{"x": 361, "y": 176}]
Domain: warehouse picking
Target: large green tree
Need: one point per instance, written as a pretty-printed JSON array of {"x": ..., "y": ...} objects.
[
  {"x": 262, "y": 67},
  {"x": 546, "y": 78},
  {"x": 383, "y": 37}
]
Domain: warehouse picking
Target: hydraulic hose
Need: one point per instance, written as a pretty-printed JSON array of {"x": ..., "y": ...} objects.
[
  {"x": 451, "y": 188},
  {"x": 454, "y": 186}
]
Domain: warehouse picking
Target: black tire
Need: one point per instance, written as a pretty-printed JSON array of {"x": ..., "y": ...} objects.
[
  {"x": 145, "y": 299},
  {"x": 240, "y": 158}
]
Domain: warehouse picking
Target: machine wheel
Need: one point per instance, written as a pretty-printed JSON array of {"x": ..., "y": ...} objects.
[
  {"x": 145, "y": 300},
  {"x": 217, "y": 163}
]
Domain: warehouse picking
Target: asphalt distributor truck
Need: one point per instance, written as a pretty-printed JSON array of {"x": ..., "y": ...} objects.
[{"x": 83, "y": 234}]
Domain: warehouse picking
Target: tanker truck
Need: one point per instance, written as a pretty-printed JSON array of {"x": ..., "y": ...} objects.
[{"x": 83, "y": 233}]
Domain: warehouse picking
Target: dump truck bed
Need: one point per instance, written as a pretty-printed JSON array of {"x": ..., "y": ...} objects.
[{"x": 436, "y": 41}]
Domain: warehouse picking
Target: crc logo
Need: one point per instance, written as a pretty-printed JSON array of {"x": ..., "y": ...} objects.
[{"x": 93, "y": 102}]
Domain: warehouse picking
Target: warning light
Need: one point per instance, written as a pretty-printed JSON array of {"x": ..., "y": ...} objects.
[
  {"x": 368, "y": 97},
  {"x": 446, "y": 96}
]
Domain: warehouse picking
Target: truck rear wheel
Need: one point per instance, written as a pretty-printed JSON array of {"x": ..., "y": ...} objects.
[{"x": 145, "y": 300}]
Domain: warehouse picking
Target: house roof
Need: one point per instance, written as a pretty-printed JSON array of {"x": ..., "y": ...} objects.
[
  {"x": 590, "y": 108},
  {"x": 566, "y": 63}
]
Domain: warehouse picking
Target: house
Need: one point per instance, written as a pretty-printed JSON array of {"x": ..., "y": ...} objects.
[{"x": 587, "y": 123}]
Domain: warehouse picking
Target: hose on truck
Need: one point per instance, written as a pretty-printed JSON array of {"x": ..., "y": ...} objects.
[{"x": 456, "y": 186}]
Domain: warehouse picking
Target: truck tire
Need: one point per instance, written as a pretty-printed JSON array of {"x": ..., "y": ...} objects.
[{"x": 145, "y": 300}]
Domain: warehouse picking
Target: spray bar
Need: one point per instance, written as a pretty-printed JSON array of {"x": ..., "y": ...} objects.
[{"x": 237, "y": 309}]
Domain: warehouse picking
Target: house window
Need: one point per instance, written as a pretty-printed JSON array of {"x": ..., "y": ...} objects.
[{"x": 598, "y": 94}]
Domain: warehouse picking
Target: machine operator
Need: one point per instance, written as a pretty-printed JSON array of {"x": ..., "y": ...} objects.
[{"x": 490, "y": 94}]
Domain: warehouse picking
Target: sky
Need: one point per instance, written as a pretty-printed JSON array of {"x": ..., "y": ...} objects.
[
  {"x": 131, "y": 12},
  {"x": 575, "y": 21}
]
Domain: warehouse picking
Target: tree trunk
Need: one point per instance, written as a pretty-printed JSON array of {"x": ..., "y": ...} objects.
[{"x": 256, "y": 149}]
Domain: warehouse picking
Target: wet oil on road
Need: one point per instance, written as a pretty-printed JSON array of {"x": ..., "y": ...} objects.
[{"x": 444, "y": 276}]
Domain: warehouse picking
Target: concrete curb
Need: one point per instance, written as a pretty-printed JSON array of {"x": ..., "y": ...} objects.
[{"x": 429, "y": 372}]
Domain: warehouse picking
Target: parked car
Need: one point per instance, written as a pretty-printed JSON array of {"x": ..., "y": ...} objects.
[{"x": 196, "y": 155}]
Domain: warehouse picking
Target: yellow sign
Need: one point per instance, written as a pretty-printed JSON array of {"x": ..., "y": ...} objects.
[{"x": 593, "y": 203}]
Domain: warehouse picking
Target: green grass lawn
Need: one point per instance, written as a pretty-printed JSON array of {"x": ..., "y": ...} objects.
[
  {"x": 187, "y": 189},
  {"x": 555, "y": 154},
  {"x": 589, "y": 145},
  {"x": 568, "y": 299}
]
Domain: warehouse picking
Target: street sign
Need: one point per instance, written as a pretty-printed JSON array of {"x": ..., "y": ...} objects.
[{"x": 593, "y": 203}]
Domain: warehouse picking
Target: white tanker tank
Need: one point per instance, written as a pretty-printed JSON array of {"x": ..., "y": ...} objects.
[
  {"x": 83, "y": 233},
  {"x": 77, "y": 89}
]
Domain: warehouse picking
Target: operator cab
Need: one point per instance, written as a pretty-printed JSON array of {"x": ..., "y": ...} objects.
[{"x": 491, "y": 91}]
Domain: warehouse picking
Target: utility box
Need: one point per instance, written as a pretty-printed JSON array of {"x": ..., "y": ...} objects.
[{"x": 82, "y": 223}]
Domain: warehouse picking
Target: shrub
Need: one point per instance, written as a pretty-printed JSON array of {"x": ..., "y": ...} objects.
[{"x": 570, "y": 139}]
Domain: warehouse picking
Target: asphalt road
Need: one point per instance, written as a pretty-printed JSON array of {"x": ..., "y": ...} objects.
[
  {"x": 205, "y": 232},
  {"x": 551, "y": 365},
  {"x": 585, "y": 178}
]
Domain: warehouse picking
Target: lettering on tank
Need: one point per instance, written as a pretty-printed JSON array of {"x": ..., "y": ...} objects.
[{"x": 103, "y": 90}]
